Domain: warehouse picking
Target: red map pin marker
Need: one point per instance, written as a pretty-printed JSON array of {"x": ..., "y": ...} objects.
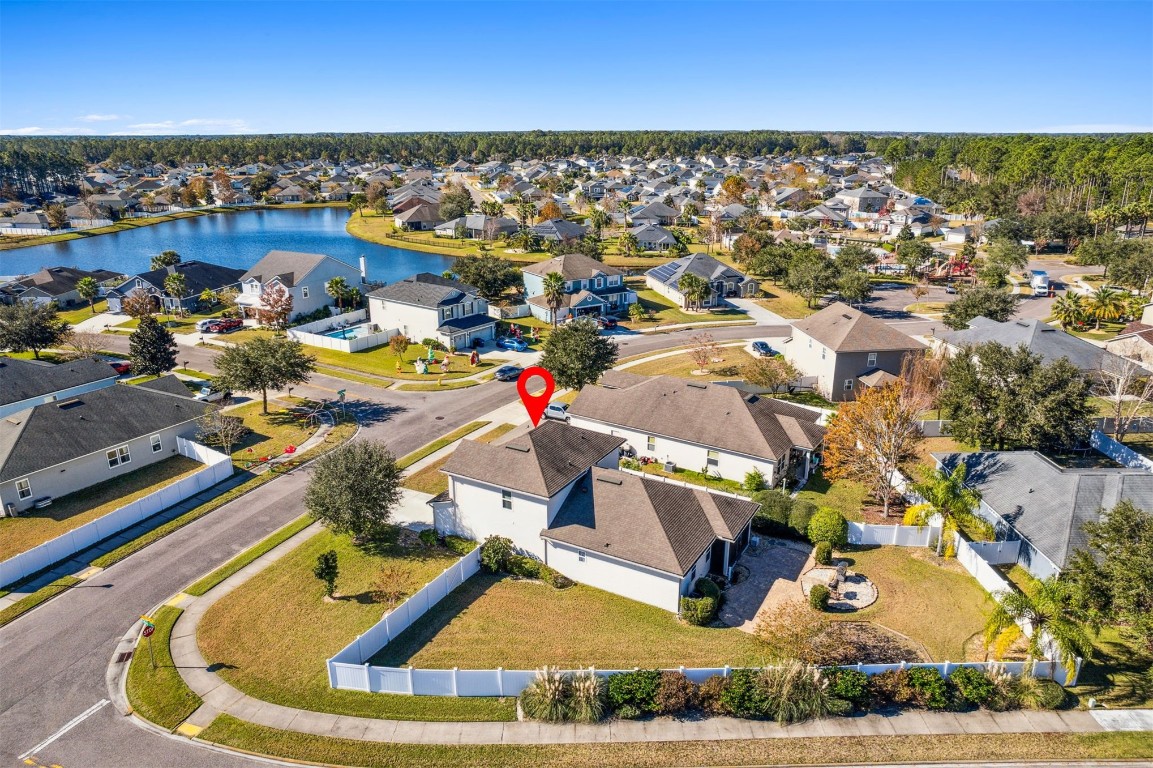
[{"x": 535, "y": 404}]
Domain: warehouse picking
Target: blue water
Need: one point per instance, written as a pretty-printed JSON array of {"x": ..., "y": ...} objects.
[
  {"x": 354, "y": 332},
  {"x": 233, "y": 240}
]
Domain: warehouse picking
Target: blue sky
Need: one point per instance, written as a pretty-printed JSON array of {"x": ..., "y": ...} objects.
[{"x": 277, "y": 67}]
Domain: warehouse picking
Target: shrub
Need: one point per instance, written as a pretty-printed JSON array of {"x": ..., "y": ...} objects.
[
  {"x": 1006, "y": 690},
  {"x": 973, "y": 686},
  {"x": 706, "y": 587},
  {"x": 587, "y": 704},
  {"x": 547, "y": 697},
  {"x": 632, "y": 464},
  {"x": 891, "y": 688},
  {"x": 754, "y": 481},
  {"x": 460, "y": 546},
  {"x": 849, "y": 685},
  {"x": 794, "y": 692},
  {"x": 555, "y": 578},
  {"x": 929, "y": 688},
  {"x": 799, "y": 517},
  {"x": 710, "y": 693},
  {"x": 430, "y": 342},
  {"x": 698, "y": 611},
  {"x": 827, "y": 524},
  {"x": 629, "y": 712},
  {"x": 494, "y": 553},
  {"x": 823, "y": 553},
  {"x": 1035, "y": 693},
  {"x": 744, "y": 696},
  {"x": 428, "y": 537},
  {"x": 773, "y": 516},
  {"x": 524, "y": 567},
  {"x": 675, "y": 694},
  {"x": 819, "y": 597},
  {"x": 635, "y": 689}
]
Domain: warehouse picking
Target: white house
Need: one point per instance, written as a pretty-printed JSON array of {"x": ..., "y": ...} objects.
[
  {"x": 701, "y": 426},
  {"x": 303, "y": 275},
  {"x": 428, "y": 306},
  {"x": 556, "y": 494}
]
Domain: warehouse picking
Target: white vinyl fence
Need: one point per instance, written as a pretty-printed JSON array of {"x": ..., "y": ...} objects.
[
  {"x": 1118, "y": 452},
  {"x": 865, "y": 534},
  {"x": 218, "y": 466},
  {"x": 312, "y": 333}
]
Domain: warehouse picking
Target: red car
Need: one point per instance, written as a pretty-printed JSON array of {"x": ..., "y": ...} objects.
[
  {"x": 225, "y": 325},
  {"x": 122, "y": 367}
]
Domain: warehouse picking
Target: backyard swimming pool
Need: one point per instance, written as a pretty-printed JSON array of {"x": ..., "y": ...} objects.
[{"x": 351, "y": 332}]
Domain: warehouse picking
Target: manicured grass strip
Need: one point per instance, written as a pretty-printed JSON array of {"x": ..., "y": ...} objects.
[
  {"x": 432, "y": 480},
  {"x": 192, "y": 373},
  {"x": 439, "y": 387},
  {"x": 160, "y": 695},
  {"x": 229, "y": 731},
  {"x": 42, "y": 595},
  {"x": 342, "y": 432},
  {"x": 436, "y": 445},
  {"x": 246, "y": 557},
  {"x": 342, "y": 374}
]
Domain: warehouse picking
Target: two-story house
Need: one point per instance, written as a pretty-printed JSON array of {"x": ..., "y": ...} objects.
[
  {"x": 198, "y": 276},
  {"x": 428, "y": 306},
  {"x": 302, "y": 275},
  {"x": 845, "y": 349},
  {"x": 722, "y": 279},
  {"x": 704, "y": 427},
  {"x": 555, "y": 492},
  {"x": 591, "y": 288}
]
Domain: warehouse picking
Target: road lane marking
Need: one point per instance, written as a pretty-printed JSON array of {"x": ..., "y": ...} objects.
[{"x": 67, "y": 727}]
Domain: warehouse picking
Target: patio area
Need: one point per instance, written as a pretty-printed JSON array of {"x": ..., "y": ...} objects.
[{"x": 772, "y": 575}]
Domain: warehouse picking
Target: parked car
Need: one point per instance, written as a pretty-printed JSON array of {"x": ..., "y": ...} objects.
[
  {"x": 225, "y": 325},
  {"x": 513, "y": 343},
  {"x": 950, "y": 288},
  {"x": 607, "y": 322},
  {"x": 122, "y": 367},
  {"x": 202, "y": 325},
  {"x": 558, "y": 411},
  {"x": 209, "y": 394},
  {"x": 763, "y": 349},
  {"x": 508, "y": 373}
]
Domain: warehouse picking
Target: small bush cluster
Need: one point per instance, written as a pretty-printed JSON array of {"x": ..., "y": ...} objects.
[
  {"x": 431, "y": 342},
  {"x": 823, "y": 553},
  {"x": 782, "y": 515},
  {"x": 698, "y": 611},
  {"x": 828, "y": 525},
  {"x": 754, "y": 481},
  {"x": 556, "y": 698},
  {"x": 819, "y": 597},
  {"x": 965, "y": 688},
  {"x": 459, "y": 545},
  {"x": 497, "y": 555},
  {"x": 321, "y": 313},
  {"x": 428, "y": 537},
  {"x": 799, "y": 518},
  {"x": 637, "y": 690}
]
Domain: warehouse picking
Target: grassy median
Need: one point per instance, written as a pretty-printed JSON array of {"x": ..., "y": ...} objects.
[{"x": 159, "y": 695}]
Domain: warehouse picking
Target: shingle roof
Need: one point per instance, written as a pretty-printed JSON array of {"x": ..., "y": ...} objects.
[
  {"x": 290, "y": 266},
  {"x": 703, "y": 266},
  {"x": 24, "y": 379},
  {"x": 56, "y": 281},
  {"x": 1040, "y": 338},
  {"x": 425, "y": 290},
  {"x": 54, "y": 433},
  {"x": 559, "y": 229},
  {"x": 705, "y": 414},
  {"x": 844, "y": 329},
  {"x": 572, "y": 266},
  {"x": 540, "y": 463},
  {"x": 170, "y": 384},
  {"x": 1045, "y": 503},
  {"x": 198, "y": 275},
  {"x": 651, "y": 523}
]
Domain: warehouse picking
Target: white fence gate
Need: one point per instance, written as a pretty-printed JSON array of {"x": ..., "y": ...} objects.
[{"x": 218, "y": 467}]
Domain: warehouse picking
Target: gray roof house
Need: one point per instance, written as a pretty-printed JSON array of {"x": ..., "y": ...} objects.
[
  {"x": 1038, "y": 337},
  {"x": 27, "y": 383},
  {"x": 651, "y": 237},
  {"x": 723, "y": 280},
  {"x": 430, "y": 306},
  {"x": 198, "y": 276},
  {"x": 56, "y": 284},
  {"x": 559, "y": 230},
  {"x": 556, "y": 493},
  {"x": 591, "y": 287},
  {"x": 477, "y": 226},
  {"x": 303, "y": 275},
  {"x": 65, "y": 446},
  {"x": 843, "y": 348},
  {"x": 1030, "y": 499}
]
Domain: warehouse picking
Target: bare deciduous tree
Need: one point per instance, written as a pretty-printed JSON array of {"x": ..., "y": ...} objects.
[
  {"x": 82, "y": 344},
  {"x": 772, "y": 373},
  {"x": 703, "y": 351},
  {"x": 1127, "y": 386},
  {"x": 219, "y": 429}
]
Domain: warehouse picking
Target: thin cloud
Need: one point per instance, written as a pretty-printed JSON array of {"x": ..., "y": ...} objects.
[
  {"x": 99, "y": 118},
  {"x": 28, "y": 131},
  {"x": 192, "y": 125}
]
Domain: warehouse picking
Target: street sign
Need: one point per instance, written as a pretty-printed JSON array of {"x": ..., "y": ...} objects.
[
  {"x": 148, "y": 630},
  {"x": 340, "y": 394}
]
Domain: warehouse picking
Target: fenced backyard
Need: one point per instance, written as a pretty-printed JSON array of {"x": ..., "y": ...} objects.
[{"x": 365, "y": 336}]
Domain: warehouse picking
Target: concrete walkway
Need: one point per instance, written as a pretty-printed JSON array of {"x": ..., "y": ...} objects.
[{"x": 761, "y": 314}]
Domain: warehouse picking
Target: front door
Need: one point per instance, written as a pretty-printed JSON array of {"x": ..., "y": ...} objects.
[{"x": 717, "y": 558}]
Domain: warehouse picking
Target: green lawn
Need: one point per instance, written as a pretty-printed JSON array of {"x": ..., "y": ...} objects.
[
  {"x": 845, "y": 496},
  {"x": 381, "y": 362},
  {"x": 439, "y": 443},
  {"x": 74, "y": 316},
  {"x": 785, "y": 303},
  {"x": 186, "y": 324},
  {"x": 1120, "y": 674},
  {"x": 490, "y": 621},
  {"x": 273, "y": 634},
  {"x": 160, "y": 695},
  {"x": 664, "y": 311},
  {"x": 240, "y": 561},
  {"x": 932, "y": 600},
  {"x": 696, "y": 478},
  {"x": 270, "y": 434},
  {"x": 34, "y": 527},
  {"x": 42, "y": 595},
  {"x": 682, "y": 365}
]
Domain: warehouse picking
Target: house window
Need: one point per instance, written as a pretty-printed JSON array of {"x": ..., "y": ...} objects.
[
  {"x": 156, "y": 444},
  {"x": 652, "y": 443},
  {"x": 693, "y": 575},
  {"x": 580, "y": 555},
  {"x": 848, "y": 385},
  {"x": 872, "y": 360},
  {"x": 304, "y": 291},
  {"x": 118, "y": 456},
  {"x": 810, "y": 343},
  {"x": 600, "y": 282},
  {"x": 24, "y": 488},
  {"x": 822, "y": 353},
  {"x": 712, "y": 458},
  {"x": 506, "y": 499}
]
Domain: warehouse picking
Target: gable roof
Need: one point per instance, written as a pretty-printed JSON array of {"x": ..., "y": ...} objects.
[
  {"x": 290, "y": 266},
  {"x": 540, "y": 463},
  {"x": 56, "y": 281},
  {"x": 572, "y": 266},
  {"x": 699, "y": 264},
  {"x": 844, "y": 329},
  {"x": 170, "y": 384},
  {"x": 58, "y": 432},
  {"x": 559, "y": 229},
  {"x": 425, "y": 290},
  {"x": 1040, "y": 339},
  {"x": 198, "y": 275},
  {"x": 648, "y": 522},
  {"x": 1048, "y": 504},
  {"x": 705, "y": 414},
  {"x": 25, "y": 379}
]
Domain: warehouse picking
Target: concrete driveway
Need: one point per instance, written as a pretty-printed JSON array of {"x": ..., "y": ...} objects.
[{"x": 774, "y": 577}]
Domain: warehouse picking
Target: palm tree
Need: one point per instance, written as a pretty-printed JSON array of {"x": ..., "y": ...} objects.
[
  {"x": 208, "y": 297},
  {"x": 624, "y": 206},
  {"x": 1106, "y": 304},
  {"x": 1069, "y": 309},
  {"x": 628, "y": 244},
  {"x": 694, "y": 289},
  {"x": 525, "y": 211},
  {"x": 491, "y": 208},
  {"x": 175, "y": 285},
  {"x": 1047, "y": 608},
  {"x": 598, "y": 219},
  {"x": 88, "y": 289},
  {"x": 553, "y": 291},
  {"x": 337, "y": 288},
  {"x": 946, "y": 494}
]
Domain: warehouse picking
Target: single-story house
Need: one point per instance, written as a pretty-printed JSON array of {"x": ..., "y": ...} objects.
[
  {"x": 591, "y": 287},
  {"x": 53, "y": 284},
  {"x": 651, "y": 237},
  {"x": 559, "y": 230},
  {"x": 198, "y": 276},
  {"x": 25, "y": 384},
  {"x": 655, "y": 213},
  {"x": 477, "y": 226},
  {"x": 428, "y": 306},
  {"x": 722, "y": 279},
  {"x": 419, "y": 218},
  {"x": 1039, "y": 338}
]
